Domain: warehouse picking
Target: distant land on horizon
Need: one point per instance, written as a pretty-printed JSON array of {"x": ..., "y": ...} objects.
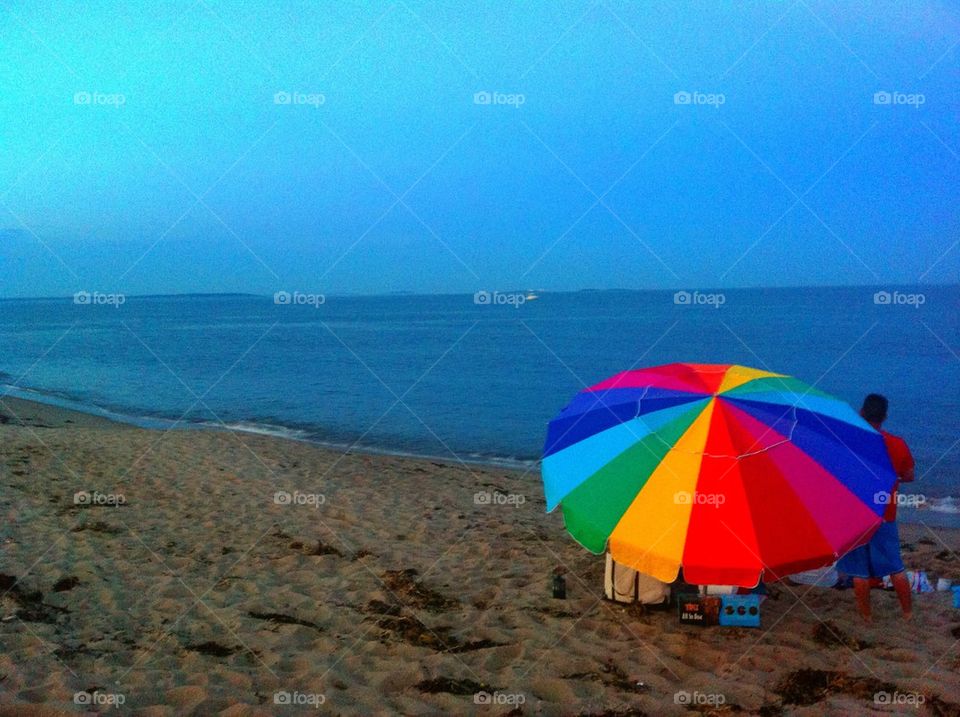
[{"x": 252, "y": 294}]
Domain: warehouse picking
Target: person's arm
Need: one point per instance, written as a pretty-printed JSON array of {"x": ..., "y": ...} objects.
[{"x": 907, "y": 473}]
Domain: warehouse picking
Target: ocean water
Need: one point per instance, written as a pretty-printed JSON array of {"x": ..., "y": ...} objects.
[{"x": 446, "y": 376}]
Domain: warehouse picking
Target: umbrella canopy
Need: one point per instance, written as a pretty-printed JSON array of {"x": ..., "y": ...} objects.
[{"x": 733, "y": 473}]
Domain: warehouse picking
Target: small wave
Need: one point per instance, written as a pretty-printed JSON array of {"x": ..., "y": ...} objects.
[
  {"x": 514, "y": 462},
  {"x": 261, "y": 429},
  {"x": 918, "y": 502},
  {"x": 939, "y": 512},
  {"x": 314, "y": 438},
  {"x": 949, "y": 504},
  {"x": 59, "y": 400}
]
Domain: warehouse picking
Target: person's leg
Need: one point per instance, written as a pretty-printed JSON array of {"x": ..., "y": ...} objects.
[
  {"x": 889, "y": 562},
  {"x": 902, "y": 586},
  {"x": 856, "y": 564},
  {"x": 861, "y": 589}
]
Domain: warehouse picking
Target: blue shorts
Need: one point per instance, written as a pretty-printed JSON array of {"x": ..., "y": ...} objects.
[{"x": 876, "y": 559}]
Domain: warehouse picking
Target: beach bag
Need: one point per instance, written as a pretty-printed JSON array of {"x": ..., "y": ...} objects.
[
  {"x": 919, "y": 582},
  {"x": 626, "y": 585},
  {"x": 826, "y": 577}
]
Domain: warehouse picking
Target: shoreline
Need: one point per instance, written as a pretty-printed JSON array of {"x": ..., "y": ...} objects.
[
  {"x": 240, "y": 568},
  {"x": 947, "y": 518},
  {"x": 282, "y": 432}
]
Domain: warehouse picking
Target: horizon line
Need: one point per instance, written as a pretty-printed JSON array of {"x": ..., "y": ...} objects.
[{"x": 407, "y": 293}]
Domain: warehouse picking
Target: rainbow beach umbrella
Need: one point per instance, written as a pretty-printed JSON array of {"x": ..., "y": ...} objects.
[{"x": 732, "y": 473}]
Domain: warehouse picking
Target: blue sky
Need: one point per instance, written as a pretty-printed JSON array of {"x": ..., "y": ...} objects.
[{"x": 145, "y": 148}]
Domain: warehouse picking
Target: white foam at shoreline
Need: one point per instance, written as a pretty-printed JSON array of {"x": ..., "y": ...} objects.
[
  {"x": 263, "y": 429},
  {"x": 949, "y": 504}
]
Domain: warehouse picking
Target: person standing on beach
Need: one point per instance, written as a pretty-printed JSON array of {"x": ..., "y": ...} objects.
[{"x": 881, "y": 556}]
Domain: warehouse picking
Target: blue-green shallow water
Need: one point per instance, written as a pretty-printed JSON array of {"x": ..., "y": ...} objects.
[{"x": 443, "y": 376}]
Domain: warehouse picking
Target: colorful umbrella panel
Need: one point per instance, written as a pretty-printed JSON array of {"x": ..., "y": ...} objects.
[{"x": 733, "y": 473}]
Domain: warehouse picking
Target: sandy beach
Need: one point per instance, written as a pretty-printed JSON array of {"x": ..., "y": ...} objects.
[{"x": 203, "y": 572}]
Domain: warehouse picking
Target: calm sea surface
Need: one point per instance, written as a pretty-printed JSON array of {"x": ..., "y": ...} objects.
[{"x": 445, "y": 376}]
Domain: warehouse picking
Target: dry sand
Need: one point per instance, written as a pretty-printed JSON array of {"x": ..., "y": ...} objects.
[{"x": 393, "y": 592}]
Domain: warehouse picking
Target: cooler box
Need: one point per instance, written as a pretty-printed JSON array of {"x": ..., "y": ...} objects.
[{"x": 740, "y": 611}]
